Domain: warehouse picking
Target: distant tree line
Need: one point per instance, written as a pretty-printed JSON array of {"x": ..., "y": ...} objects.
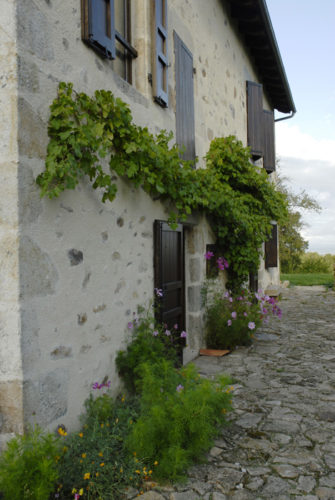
[{"x": 292, "y": 246}]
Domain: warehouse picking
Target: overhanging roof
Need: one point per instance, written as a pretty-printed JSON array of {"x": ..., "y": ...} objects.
[{"x": 255, "y": 26}]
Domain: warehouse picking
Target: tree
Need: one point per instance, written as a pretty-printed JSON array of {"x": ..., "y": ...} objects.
[{"x": 291, "y": 244}]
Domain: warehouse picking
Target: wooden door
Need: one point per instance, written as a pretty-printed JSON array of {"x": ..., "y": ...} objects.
[{"x": 169, "y": 274}]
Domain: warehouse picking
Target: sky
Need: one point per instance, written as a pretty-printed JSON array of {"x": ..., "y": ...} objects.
[{"x": 305, "y": 144}]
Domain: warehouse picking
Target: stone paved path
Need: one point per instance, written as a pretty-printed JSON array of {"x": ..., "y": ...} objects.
[{"x": 281, "y": 442}]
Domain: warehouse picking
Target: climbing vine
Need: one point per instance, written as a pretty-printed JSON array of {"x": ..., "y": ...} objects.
[{"x": 237, "y": 197}]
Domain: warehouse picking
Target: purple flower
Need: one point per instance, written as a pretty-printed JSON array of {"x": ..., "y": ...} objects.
[
  {"x": 233, "y": 315},
  {"x": 208, "y": 255},
  {"x": 95, "y": 385},
  {"x": 226, "y": 295},
  {"x": 245, "y": 314},
  {"x": 130, "y": 325},
  {"x": 229, "y": 322},
  {"x": 175, "y": 326},
  {"x": 155, "y": 333},
  {"x": 220, "y": 263},
  {"x": 183, "y": 335},
  {"x": 158, "y": 292},
  {"x": 179, "y": 388},
  {"x": 230, "y": 299},
  {"x": 251, "y": 325},
  {"x": 167, "y": 332}
]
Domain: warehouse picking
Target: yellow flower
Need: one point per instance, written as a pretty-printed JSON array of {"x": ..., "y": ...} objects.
[
  {"x": 155, "y": 462},
  {"x": 74, "y": 491},
  {"x": 100, "y": 454},
  {"x": 123, "y": 399},
  {"x": 150, "y": 471},
  {"x": 65, "y": 449},
  {"x": 80, "y": 434},
  {"x": 61, "y": 431},
  {"x": 134, "y": 453},
  {"x": 224, "y": 410},
  {"x": 101, "y": 426},
  {"x": 97, "y": 474},
  {"x": 81, "y": 491},
  {"x": 80, "y": 461},
  {"x": 87, "y": 475},
  {"x": 121, "y": 470},
  {"x": 138, "y": 471},
  {"x": 102, "y": 464},
  {"x": 83, "y": 455}
]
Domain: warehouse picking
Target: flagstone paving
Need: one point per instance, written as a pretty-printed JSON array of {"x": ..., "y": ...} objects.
[{"x": 280, "y": 443}]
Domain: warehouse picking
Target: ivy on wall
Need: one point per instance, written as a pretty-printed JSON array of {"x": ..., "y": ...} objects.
[{"x": 237, "y": 197}]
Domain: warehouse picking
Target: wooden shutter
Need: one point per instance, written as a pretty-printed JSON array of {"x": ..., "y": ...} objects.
[
  {"x": 185, "y": 135},
  {"x": 160, "y": 53},
  {"x": 98, "y": 28},
  {"x": 271, "y": 248},
  {"x": 255, "y": 118},
  {"x": 269, "y": 158}
]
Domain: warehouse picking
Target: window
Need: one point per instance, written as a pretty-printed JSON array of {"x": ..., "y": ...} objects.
[
  {"x": 269, "y": 158},
  {"x": 160, "y": 53},
  {"x": 255, "y": 118},
  {"x": 106, "y": 28},
  {"x": 271, "y": 248},
  {"x": 185, "y": 135}
]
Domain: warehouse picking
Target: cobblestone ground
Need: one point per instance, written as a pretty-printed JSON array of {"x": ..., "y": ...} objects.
[{"x": 281, "y": 441}]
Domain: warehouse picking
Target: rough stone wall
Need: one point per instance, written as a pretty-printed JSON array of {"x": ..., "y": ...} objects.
[
  {"x": 84, "y": 266},
  {"x": 10, "y": 358}
]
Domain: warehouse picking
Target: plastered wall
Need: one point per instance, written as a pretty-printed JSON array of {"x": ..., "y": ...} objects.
[{"x": 75, "y": 269}]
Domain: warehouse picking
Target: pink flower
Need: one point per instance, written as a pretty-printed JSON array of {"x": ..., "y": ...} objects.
[
  {"x": 158, "y": 292},
  {"x": 175, "y": 326},
  {"x": 130, "y": 325},
  {"x": 245, "y": 314},
  {"x": 233, "y": 315},
  {"x": 230, "y": 299},
  {"x": 183, "y": 335},
  {"x": 208, "y": 255},
  {"x": 251, "y": 325},
  {"x": 155, "y": 333},
  {"x": 167, "y": 332},
  {"x": 179, "y": 388},
  {"x": 229, "y": 322}
]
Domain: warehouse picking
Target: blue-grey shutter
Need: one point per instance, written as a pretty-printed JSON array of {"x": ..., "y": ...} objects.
[
  {"x": 269, "y": 158},
  {"x": 160, "y": 60},
  {"x": 98, "y": 28},
  {"x": 255, "y": 118},
  {"x": 271, "y": 248},
  {"x": 185, "y": 136}
]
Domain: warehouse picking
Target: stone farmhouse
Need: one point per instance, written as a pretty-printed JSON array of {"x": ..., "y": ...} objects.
[{"x": 72, "y": 269}]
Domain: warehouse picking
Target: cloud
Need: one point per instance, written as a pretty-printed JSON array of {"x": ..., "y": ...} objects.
[
  {"x": 309, "y": 164},
  {"x": 291, "y": 141}
]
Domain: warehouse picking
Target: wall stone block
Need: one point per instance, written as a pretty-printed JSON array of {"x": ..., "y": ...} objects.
[{"x": 38, "y": 275}]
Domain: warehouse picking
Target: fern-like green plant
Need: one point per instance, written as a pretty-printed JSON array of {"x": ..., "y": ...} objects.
[
  {"x": 180, "y": 415},
  {"x": 28, "y": 467}
]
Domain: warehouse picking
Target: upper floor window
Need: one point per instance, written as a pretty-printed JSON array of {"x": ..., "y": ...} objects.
[
  {"x": 255, "y": 118},
  {"x": 160, "y": 53},
  {"x": 106, "y": 27}
]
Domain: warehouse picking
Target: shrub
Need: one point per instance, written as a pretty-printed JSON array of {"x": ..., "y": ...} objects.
[
  {"x": 312, "y": 262},
  {"x": 28, "y": 467},
  {"x": 149, "y": 343},
  {"x": 232, "y": 320},
  {"x": 94, "y": 461},
  {"x": 180, "y": 415}
]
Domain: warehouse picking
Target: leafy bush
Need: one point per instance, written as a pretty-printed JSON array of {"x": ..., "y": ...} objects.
[
  {"x": 180, "y": 415},
  {"x": 94, "y": 462},
  {"x": 28, "y": 468},
  {"x": 232, "y": 320},
  {"x": 312, "y": 262},
  {"x": 150, "y": 342}
]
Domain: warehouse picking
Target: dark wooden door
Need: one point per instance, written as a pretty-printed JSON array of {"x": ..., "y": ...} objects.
[{"x": 169, "y": 274}]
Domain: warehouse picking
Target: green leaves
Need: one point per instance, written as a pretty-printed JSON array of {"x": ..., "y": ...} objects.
[{"x": 235, "y": 194}]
